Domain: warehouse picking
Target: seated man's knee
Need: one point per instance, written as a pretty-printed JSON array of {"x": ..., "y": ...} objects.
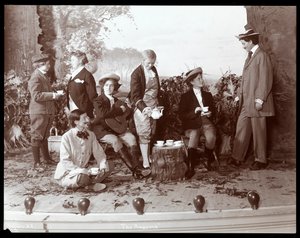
[
  {"x": 130, "y": 139},
  {"x": 210, "y": 142}
]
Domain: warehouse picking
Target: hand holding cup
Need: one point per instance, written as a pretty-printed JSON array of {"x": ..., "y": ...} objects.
[{"x": 205, "y": 112}]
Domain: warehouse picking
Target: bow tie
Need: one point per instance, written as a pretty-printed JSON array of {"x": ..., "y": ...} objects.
[{"x": 83, "y": 134}]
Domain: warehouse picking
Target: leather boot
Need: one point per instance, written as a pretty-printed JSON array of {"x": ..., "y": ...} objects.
[
  {"x": 36, "y": 155},
  {"x": 138, "y": 168},
  {"x": 134, "y": 151},
  {"x": 190, "y": 162},
  {"x": 210, "y": 158},
  {"x": 136, "y": 173},
  {"x": 45, "y": 153},
  {"x": 126, "y": 158}
]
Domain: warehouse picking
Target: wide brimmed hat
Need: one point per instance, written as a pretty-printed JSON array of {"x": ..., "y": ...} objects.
[
  {"x": 192, "y": 72},
  {"x": 40, "y": 58},
  {"x": 108, "y": 76},
  {"x": 249, "y": 32}
]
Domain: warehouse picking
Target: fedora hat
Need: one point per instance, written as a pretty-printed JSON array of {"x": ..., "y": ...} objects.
[
  {"x": 191, "y": 73},
  {"x": 40, "y": 58},
  {"x": 108, "y": 76},
  {"x": 249, "y": 32}
]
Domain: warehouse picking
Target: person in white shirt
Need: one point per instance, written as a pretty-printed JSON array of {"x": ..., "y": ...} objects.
[
  {"x": 144, "y": 96},
  {"x": 196, "y": 111},
  {"x": 77, "y": 146}
]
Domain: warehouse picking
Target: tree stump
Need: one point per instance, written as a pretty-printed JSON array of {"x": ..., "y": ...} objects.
[{"x": 168, "y": 163}]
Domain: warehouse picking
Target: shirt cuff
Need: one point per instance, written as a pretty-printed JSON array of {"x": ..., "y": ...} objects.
[
  {"x": 259, "y": 101},
  {"x": 54, "y": 95}
]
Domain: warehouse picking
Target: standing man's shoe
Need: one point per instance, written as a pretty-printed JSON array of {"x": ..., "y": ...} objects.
[{"x": 258, "y": 165}]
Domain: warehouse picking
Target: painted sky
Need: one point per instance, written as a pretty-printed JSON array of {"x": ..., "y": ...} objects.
[{"x": 185, "y": 37}]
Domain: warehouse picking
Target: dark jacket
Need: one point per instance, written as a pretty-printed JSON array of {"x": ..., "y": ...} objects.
[
  {"x": 103, "y": 111},
  {"x": 83, "y": 92},
  {"x": 138, "y": 86},
  {"x": 187, "y": 106},
  {"x": 41, "y": 93}
]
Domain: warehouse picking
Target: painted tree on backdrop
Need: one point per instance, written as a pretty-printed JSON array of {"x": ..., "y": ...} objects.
[
  {"x": 76, "y": 28},
  {"x": 63, "y": 29},
  {"x": 120, "y": 61}
]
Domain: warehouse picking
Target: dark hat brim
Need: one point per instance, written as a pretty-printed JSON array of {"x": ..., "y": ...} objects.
[{"x": 242, "y": 36}]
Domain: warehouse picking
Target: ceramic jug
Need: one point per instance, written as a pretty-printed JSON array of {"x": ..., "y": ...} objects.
[{"x": 157, "y": 112}]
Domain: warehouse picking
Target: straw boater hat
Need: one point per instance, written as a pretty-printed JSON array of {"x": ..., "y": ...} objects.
[
  {"x": 192, "y": 72},
  {"x": 248, "y": 33},
  {"x": 40, "y": 58},
  {"x": 108, "y": 76}
]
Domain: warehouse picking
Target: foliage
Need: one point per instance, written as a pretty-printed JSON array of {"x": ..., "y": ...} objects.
[
  {"x": 16, "y": 114},
  {"x": 169, "y": 125},
  {"x": 82, "y": 28},
  {"x": 223, "y": 91},
  {"x": 16, "y": 117}
]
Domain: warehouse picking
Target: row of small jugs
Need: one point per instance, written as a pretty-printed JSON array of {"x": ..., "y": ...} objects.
[{"x": 139, "y": 203}]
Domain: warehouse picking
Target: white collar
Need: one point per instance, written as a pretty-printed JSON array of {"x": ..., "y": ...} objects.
[
  {"x": 148, "y": 72},
  {"x": 42, "y": 71},
  {"x": 76, "y": 71},
  {"x": 254, "y": 48},
  {"x": 110, "y": 97},
  {"x": 197, "y": 90}
]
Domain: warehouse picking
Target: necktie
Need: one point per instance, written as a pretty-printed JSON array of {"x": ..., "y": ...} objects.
[
  {"x": 83, "y": 134},
  {"x": 249, "y": 56}
]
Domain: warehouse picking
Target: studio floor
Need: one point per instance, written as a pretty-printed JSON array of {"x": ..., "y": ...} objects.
[{"x": 223, "y": 190}]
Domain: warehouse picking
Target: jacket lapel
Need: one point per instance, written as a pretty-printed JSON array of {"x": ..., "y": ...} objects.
[
  {"x": 194, "y": 98},
  {"x": 76, "y": 75},
  {"x": 248, "y": 63}
]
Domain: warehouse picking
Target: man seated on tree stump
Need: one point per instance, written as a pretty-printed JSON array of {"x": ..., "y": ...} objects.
[{"x": 196, "y": 110}]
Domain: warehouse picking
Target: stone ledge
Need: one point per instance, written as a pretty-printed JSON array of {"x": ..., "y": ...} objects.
[{"x": 280, "y": 219}]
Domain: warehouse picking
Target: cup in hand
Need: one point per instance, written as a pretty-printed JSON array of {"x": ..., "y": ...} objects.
[
  {"x": 169, "y": 142},
  {"x": 95, "y": 171},
  {"x": 205, "y": 109},
  {"x": 60, "y": 92},
  {"x": 160, "y": 142}
]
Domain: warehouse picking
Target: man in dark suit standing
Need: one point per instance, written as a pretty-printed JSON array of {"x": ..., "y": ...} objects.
[
  {"x": 196, "y": 111},
  {"x": 255, "y": 103},
  {"x": 81, "y": 90}
]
